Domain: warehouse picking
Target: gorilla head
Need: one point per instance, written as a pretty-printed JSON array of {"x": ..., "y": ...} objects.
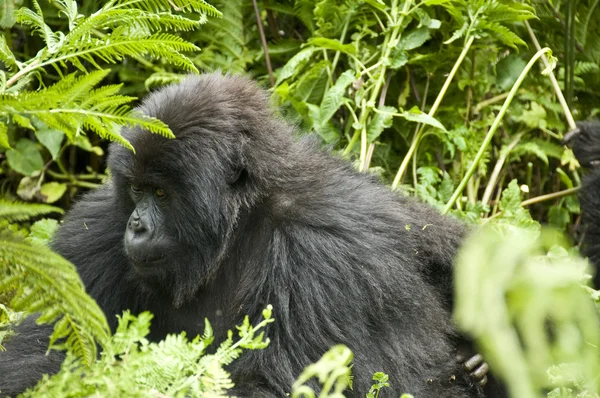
[{"x": 185, "y": 195}]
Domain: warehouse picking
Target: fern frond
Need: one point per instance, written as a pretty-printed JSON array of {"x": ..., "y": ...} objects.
[
  {"x": 45, "y": 282},
  {"x": 584, "y": 68},
  {"x": 155, "y": 6},
  {"x": 512, "y": 12},
  {"x": 72, "y": 104},
  {"x": 114, "y": 47},
  {"x": 502, "y": 33},
  {"x": 6, "y": 56},
  {"x": 119, "y": 29},
  {"x": 19, "y": 211},
  {"x": 35, "y": 20},
  {"x": 227, "y": 42}
]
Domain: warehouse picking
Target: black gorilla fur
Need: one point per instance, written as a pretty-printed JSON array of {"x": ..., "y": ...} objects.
[
  {"x": 585, "y": 142},
  {"x": 252, "y": 216}
]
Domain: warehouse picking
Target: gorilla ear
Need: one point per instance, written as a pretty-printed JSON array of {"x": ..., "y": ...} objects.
[{"x": 237, "y": 176}]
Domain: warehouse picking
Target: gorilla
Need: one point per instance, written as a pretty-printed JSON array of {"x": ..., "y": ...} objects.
[
  {"x": 585, "y": 141},
  {"x": 237, "y": 213}
]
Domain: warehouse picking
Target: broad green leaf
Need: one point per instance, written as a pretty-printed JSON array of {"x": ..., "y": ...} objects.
[
  {"x": 572, "y": 204},
  {"x": 378, "y": 4},
  {"x": 334, "y": 97},
  {"x": 294, "y": 64},
  {"x": 415, "y": 115},
  {"x": 50, "y": 138},
  {"x": 332, "y": 44},
  {"x": 558, "y": 216},
  {"x": 380, "y": 121},
  {"x": 25, "y": 158},
  {"x": 52, "y": 191},
  {"x": 27, "y": 188},
  {"x": 42, "y": 231},
  {"x": 83, "y": 142},
  {"x": 310, "y": 86},
  {"x": 399, "y": 59},
  {"x": 414, "y": 39},
  {"x": 508, "y": 71},
  {"x": 323, "y": 128}
]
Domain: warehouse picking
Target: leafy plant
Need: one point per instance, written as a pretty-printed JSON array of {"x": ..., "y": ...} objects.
[
  {"x": 41, "y": 281},
  {"x": 78, "y": 103},
  {"x": 132, "y": 366},
  {"x": 520, "y": 293}
]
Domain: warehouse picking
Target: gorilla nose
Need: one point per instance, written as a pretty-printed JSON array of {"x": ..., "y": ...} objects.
[{"x": 137, "y": 226}]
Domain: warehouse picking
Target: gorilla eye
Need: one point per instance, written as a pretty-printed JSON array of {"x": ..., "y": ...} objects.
[
  {"x": 159, "y": 193},
  {"x": 135, "y": 189}
]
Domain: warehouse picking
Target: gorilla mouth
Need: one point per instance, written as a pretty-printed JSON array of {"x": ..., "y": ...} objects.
[{"x": 147, "y": 262}]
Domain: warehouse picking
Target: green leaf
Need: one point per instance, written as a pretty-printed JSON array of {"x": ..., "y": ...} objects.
[
  {"x": 42, "y": 231},
  {"x": 294, "y": 64},
  {"x": 399, "y": 59},
  {"x": 534, "y": 117},
  {"x": 27, "y": 188},
  {"x": 335, "y": 95},
  {"x": 414, "y": 39},
  {"x": 6, "y": 55},
  {"x": 415, "y": 115},
  {"x": 324, "y": 129},
  {"x": 18, "y": 211},
  {"x": 84, "y": 143},
  {"x": 380, "y": 121},
  {"x": 311, "y": 85},
  {"x": 52, "y": 191},
  {"x": 378, "y": 4},
  {"x": 4, "y": 136},
  {"x": 508, "y": 71},
  {"x": 50, "y": 138},
  {"x": 22, "y": 121},
  {"x": 25, "y": 158},
  {"x": 332, "y": 44},
  {"x": 558, "y": 216},
  {"x": 511, "y": 197}
]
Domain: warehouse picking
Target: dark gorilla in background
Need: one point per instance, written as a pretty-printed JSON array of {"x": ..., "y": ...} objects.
[
  {"x": 585, "y": 141},
  {"x": 237, "y": 213}
]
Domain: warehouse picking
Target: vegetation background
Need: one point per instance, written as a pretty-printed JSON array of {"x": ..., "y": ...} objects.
[{"x": 448, "y": 100}]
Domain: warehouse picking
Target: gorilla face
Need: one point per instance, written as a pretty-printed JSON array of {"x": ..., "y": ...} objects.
[
  {"x": 145, "y": 241},
  {"x": 182, "y": 196},
  {"x": 180, "y": 215}
]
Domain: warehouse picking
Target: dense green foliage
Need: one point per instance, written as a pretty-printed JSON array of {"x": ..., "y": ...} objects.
[
  {"x": 434, "y": 96},
  {"x": 131, "y": 366}
]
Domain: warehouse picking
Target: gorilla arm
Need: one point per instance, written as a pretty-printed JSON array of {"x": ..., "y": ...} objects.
[{"x": 25, "y": 359}]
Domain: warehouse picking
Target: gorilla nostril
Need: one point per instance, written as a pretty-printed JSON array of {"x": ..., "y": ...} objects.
[{"x": 137, "y": 226}]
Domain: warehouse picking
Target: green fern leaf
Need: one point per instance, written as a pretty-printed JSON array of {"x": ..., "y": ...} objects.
[{"x": 18, "y": 211}]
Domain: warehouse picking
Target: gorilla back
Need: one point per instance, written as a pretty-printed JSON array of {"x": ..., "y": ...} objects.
[{"x": 237, "y": 213}]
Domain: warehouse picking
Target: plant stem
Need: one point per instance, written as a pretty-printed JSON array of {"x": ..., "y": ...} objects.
[
  {"x": 263, "y": 41},
  {"x": 434, "y": 107},
  {"x": 336, "y": 57},
  {"x": 557, "y": 90},
  {"x": 492, "y": 130},
  {"x": 489, "y": 189},
  {"x": 489, "y": 101},
  {"x": 32, "y": 66},
  {"x": 550, "y": 196},
  {"x": 388, "y": 45}
]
